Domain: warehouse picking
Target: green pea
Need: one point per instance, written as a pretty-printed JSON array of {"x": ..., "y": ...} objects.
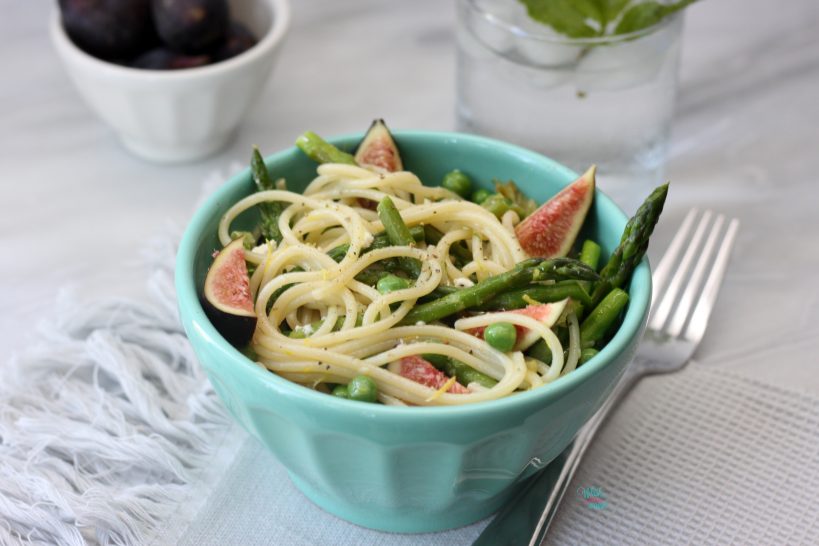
[
  {"x": 391, "y": 283},
  {"x": 501, "y": 335},
  {"x": 496, "y": 204},
  {"x": 362, "y": 389},
  {"x": 457, "y": 182},
  {"x": 341, "y": 391},
  {"x": 480, "y": 196}
]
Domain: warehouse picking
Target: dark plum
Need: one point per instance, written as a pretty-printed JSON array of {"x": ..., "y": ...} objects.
[
  {"x": 238, "y": 40},
  {"x": 108, "y": 29},
  {"x": 191, "y": 26},
  {"x": 162, "y": 58}
]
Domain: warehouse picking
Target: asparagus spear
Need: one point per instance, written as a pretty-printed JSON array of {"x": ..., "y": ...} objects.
[
  {"x": 514, "y": 299},
  {"x": 464, "y": 373},
  {"x": 633, "y": 245},
  {"x": 321, "y": 151},
  {"x": 526, "y": 272},
  {"x": 379, "y": 241},
  {"x": 602, "y": 317},
  {"x": 269, "y": 212},
  {"x": 398, "y": 234},
  {"x": 542, "y": 293},
  {"x": 439, "y": 292},
  {"x": 590, "y": 253},
  {"x": 586, "y": 355}
]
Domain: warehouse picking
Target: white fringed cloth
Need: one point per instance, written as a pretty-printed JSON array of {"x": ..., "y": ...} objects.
[{"x": 105, "y": 421}]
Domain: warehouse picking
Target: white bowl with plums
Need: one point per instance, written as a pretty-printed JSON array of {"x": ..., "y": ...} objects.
[{"x": 173, "y": 78}]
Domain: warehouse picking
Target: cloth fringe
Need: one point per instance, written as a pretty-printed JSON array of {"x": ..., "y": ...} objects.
[{"x": 105, "y": 421}]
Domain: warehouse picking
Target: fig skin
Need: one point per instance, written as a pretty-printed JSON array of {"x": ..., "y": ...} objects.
[
  {"x": 237, "y": 40},
  {"x": 378, "y": 148},
  {"x": 109, "y": 29},
  {"x": 191, "y": 26},
  {"x": 162, "y": 58},
  {"x": 226, "y": 296}
]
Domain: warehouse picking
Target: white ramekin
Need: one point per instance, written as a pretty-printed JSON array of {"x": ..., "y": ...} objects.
[{"x": 179, "y": 115}]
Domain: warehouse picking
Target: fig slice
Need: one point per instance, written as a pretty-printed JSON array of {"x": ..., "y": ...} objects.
[
  {"x": 545, "y": 313},
  {"x": 378, "y": 149},
  {"x": 550, "y": 231},
  {"x": 422, "y": 371},
  {"x": 228, "y": 302}
]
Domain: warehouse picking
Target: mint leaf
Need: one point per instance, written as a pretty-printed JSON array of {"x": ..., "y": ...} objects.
[
  {"x": 569, "y": 17},
  {"x": 610, "y": 9},
  {"x": 647, "y": 14},
  {"x": 591, "y": 18}
]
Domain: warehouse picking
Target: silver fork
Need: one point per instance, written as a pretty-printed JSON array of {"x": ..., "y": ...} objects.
[{"x": 676, "y": 325}]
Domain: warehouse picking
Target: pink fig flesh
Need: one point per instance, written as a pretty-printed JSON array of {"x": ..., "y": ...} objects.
[
  {"x": 551, "y": 230},
  {"x": 228, "y": 301},
  {"x": 378, "y": 149}
]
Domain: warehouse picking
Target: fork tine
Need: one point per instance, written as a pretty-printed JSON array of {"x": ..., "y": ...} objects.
[
  {"x": 699, "y": 319},
  {"x": 663, "y": 270},
  {"x": 666, "y": 303},
  {"x": 695, "y": 282}
]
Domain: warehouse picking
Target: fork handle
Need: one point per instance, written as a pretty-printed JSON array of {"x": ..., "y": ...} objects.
[
  {"x": 518, "y": 521},
  {"x": 576, "y": 450}
]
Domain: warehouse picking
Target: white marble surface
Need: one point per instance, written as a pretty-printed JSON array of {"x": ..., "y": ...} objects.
[{"x": 77, "y": 208}]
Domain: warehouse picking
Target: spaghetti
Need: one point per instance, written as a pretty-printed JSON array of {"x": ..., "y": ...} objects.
[{"x": 350, "y": 328}]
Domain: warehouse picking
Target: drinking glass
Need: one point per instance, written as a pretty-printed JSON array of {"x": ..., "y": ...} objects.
[{"x": 607, "y": 101}]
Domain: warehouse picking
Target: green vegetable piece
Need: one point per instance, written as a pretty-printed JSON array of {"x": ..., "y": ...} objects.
[
  {"x": 590, "y": 253},
  {"x": 459, "y": 250},
  {"x": 379, "y": 241},
  {"x": 586, "y": 354},
  {"x": 321, "y": 151},
  {"x": 439, "y": 361},
  {"x": 520, "y": 203},
  {"x": 248, "y": 238},
  {"x": 501, "y": 336},
  {"x": 464, "y": 373},
  {"x": 526, "y": 272},
  {"x": 341, "y": 391},
  {"x": 249, "y": 352},
  {"x": 457, "y": 182},
  {"x": 398, "y": 234},
  {"x": 541, "y": 293},
  {"x": 439, "y": 292},
  {"x": 391, "y": 283},
  {"x": 268, "y": 211},
  {"x": 540, "y": 350},
  {"x": 647, "y": 14},
  {"x": 633, "y": 244},
  {"x": 479, "y": 196},
  {"x": 497, "y": 204},
  {"x": 362, "y": 388},
  {"x": 603, "y": 317}
]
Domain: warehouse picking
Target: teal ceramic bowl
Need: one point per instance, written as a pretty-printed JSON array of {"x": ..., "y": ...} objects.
[{"x": 413, "y": 469}]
